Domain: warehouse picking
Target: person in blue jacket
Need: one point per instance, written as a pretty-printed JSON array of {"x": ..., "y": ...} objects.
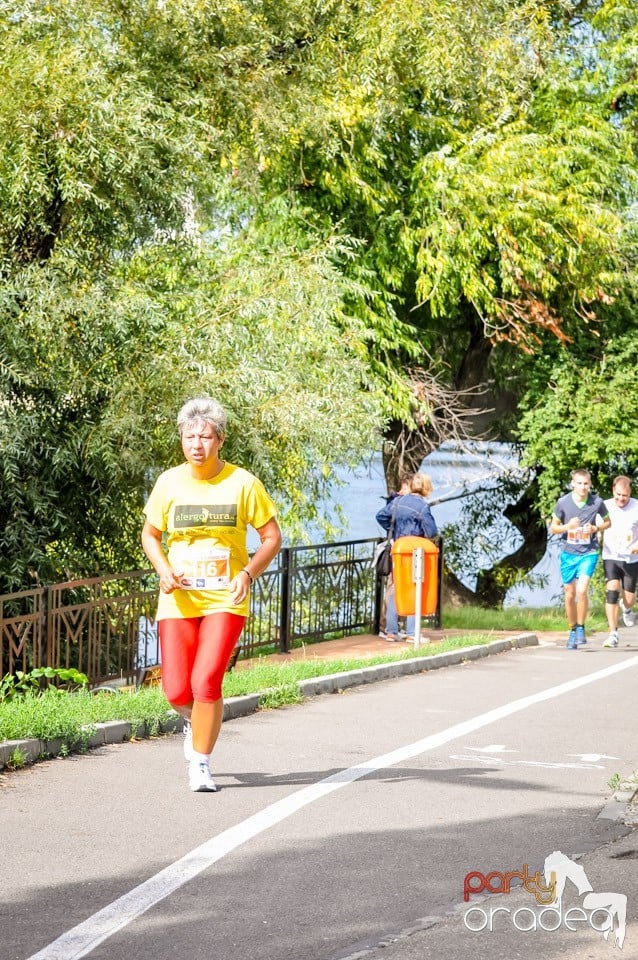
[{"x": 406, "y": 514}]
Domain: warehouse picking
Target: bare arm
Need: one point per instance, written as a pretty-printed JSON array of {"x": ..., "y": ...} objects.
[
  {"x": 591, "y": 528},
  {"x": 557, "y": 526},
  {"x": 270, "y": 536},
  {"x": 152, "y": 543}
]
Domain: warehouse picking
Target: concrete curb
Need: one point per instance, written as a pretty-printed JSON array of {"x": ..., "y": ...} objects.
[
  {"x": 118, "y": 731},
  {"x": 385, "y": 671},
  {"x": 619, "y": 806},
  {"x": 112, "y": 731}
]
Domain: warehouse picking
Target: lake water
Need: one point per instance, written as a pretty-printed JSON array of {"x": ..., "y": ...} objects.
[
  {"x": 453, "y": 474},
  {"x": 362, "y": 494}
]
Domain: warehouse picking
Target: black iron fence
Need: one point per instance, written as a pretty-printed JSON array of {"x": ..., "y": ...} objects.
[{"x": 104, "y": 626}]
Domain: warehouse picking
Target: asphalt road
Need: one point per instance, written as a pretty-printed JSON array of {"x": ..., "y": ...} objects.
[{"x": 345, "y": 827}]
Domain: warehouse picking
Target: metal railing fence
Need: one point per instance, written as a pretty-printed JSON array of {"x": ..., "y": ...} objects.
[{"x": 104, "y": 626}]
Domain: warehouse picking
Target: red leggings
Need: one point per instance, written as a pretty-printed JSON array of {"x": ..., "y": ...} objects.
[{"x": 195, "y": 654}]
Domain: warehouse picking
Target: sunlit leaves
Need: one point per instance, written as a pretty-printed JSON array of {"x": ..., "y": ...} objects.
[{"x": 583, "y": 418}]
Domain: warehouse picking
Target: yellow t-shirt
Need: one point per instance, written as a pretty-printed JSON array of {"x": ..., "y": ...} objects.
[{"x": 206, "y": 522}]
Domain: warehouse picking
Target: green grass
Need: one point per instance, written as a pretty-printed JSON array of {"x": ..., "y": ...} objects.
[
  {"x": 517, "y": 618},
  {"x": 57, "y": 715},
  {"x": 71, "y": 716},
  {"x": 524, "y": 619},
  {"x": 260, "y": 676}
]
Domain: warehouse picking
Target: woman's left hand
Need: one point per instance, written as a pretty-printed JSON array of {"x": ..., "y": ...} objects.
[
  {"x": 239, "y": 587},
  {"x": 270, "y": 536}
]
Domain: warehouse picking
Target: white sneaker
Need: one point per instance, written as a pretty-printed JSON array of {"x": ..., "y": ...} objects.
[
  {"x": 189, "y": 753},
  {"x": 199, "y": 777},
  {"x": 628, "y": 616},
  {"x": 612, "y": 639}
]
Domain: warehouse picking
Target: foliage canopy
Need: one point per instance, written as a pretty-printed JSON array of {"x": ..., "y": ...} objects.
[{"x": 326, "y": 214}]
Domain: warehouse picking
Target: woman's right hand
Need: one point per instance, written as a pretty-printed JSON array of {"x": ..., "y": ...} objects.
[{"x": 170, "y": 581}]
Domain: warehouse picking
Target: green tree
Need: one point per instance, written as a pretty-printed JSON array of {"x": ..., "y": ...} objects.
[
  {"x": 583, "y": 419},
  {"x": 121, "y": 295},
  {"x": 577, "y": 397},
  {"x": 348, "y": 211},
  {"x": 473, "y": 153},
  {"x": 467, "y": 151}
]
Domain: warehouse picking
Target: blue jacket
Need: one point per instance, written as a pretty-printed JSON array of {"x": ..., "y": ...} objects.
[{"x": 413, "y": 517}]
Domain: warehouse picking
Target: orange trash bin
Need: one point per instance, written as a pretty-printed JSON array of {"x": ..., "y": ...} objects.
[{"x": 404, "y": 585}]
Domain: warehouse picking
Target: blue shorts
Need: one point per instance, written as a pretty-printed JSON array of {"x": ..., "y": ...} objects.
[{"x": 575, "y": 565}]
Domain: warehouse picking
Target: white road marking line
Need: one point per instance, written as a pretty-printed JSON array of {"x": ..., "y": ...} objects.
[
  {"x": 561, "y": 766},
  {"x": 592, "y": 757},
  {"x": 493, "y": 748},
  {"x": 529, "y": 763},
  {"x": 86, "y": 936}
]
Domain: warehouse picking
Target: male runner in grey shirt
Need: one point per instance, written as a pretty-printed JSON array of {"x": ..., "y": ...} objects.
[{"x": 579, "y": 517}]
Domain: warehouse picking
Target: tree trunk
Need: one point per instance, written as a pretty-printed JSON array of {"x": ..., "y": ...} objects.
[
  {"x": 415, "y": 446},
  {"x": 492, "y": 585},
  {"x": 455, "y": 593},
  {"x": 468, "y": 409}
]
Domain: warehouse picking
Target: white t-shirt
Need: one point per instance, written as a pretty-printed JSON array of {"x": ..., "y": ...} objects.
[{"x": 623, "y": 531}]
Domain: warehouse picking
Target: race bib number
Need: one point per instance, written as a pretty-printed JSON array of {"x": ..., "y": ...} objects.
[
  {"x": 577, "y": 536},
  {"x": 204, "y": 567}
]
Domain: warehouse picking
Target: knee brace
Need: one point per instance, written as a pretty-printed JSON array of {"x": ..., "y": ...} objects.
[{"x": 611, "y": 596}]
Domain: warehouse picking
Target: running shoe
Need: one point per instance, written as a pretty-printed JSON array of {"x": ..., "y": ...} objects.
[
  {"x": 199, "y": 777},
  {"x": 581, "y": 639},
  {"x": 188, "y": 741},
  {"x": 612, "y": 639},
  {"x": 571, "y": 642},
  {"x": 627, "y": 615}
]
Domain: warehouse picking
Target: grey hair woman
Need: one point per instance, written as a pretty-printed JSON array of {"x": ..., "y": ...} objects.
[
  {"x": 204, "y": 507},
  {"x": 202, "y": 410}
]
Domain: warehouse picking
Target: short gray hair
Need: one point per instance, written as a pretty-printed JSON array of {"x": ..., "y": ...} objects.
[{"x": 202, "y": 409}]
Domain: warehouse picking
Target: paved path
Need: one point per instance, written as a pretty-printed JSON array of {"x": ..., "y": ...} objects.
[
  {"x": 343, "y": 823},
  {"x": 370, "y": 645}
]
